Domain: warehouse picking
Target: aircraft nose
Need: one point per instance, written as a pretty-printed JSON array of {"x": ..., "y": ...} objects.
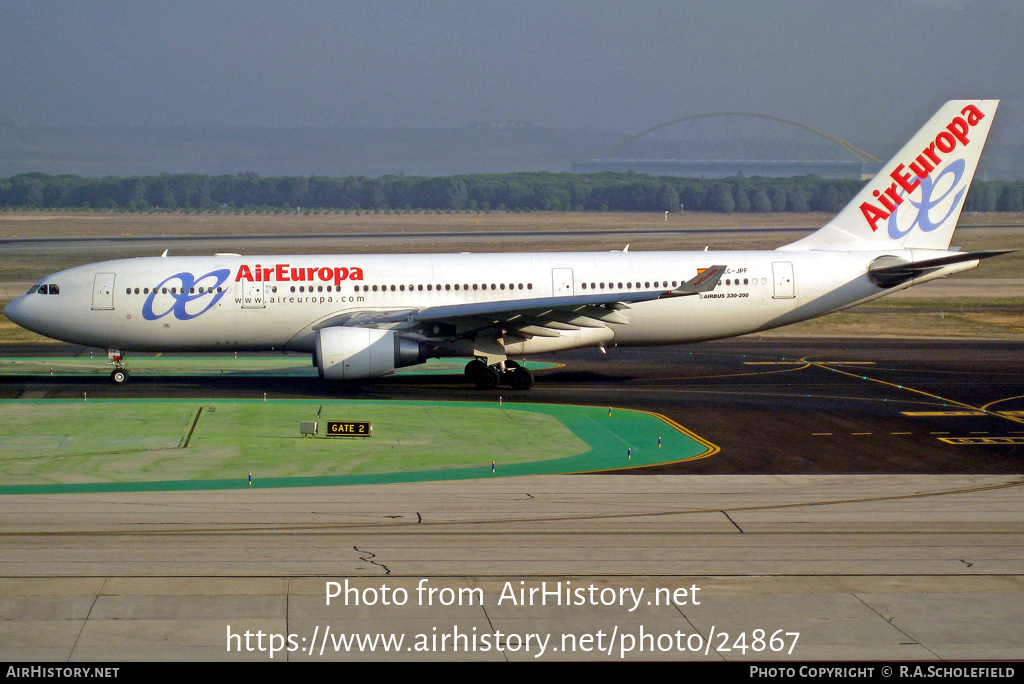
[
  {"x": 15, "y": 311},
  {"x": 24, "y": 312}
]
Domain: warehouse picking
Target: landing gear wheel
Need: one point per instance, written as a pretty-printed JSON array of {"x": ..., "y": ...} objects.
[
  {"x": 119, "y": 376},
  {"x": 474, "y": 368},
  {"x": 488, "y": 378},
  {"x": 520, "y": 378}
]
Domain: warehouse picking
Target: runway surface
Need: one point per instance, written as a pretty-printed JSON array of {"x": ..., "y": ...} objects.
[{"x": 867, "y": 499}]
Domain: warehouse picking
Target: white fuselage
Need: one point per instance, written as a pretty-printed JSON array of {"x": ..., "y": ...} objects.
[{"x": 277, "y": 302}]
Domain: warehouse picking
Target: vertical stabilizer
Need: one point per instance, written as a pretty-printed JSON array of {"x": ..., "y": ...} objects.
[{"x": 916, "y": 199}]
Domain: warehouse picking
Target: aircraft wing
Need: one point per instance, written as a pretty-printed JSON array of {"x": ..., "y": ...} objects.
[{"x": 541, "y": 316}]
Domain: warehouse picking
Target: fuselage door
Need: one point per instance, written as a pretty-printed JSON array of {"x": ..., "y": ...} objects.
[
  {"x": 561, "y": 282},
  {"x": 103, "y": 291},
  {"x": 252, "y": 295},
  {"x": 782, "y": 272}
]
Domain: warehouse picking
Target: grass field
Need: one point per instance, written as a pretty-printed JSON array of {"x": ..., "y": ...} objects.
[
  {"x": 55, "y": 224},
  {"x": 147, "y": 440},
  {"x": 65, "y": 446},
  {"x": 996, "y": 318}
]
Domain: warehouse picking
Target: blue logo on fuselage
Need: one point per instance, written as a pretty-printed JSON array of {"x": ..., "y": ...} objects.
[
  {"x": 192, "y": 290},
  {"x": 927, "y": 203}
]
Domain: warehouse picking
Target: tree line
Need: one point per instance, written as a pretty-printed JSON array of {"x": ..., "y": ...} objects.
[{"x": 524, "y": 191}]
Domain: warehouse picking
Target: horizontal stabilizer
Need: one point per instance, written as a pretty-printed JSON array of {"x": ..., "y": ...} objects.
[{"x": 890, "y": 271}]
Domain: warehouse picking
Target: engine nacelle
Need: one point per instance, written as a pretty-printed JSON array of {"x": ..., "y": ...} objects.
[{"x": 357, "y": 353}]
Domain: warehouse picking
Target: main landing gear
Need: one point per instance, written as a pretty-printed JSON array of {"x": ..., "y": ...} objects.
[
  {"x": 508, "y": 373},
  {"x": 119, "y": 376}
]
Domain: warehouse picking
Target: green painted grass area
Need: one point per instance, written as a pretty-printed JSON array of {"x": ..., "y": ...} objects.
[
  {"x": 53, "y": 442},
  {"x": 270, "y": 365},
  {"x": 132, "y": 445}
]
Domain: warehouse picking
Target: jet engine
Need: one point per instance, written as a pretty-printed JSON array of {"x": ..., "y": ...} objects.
[{"x": 357, "y": 353}]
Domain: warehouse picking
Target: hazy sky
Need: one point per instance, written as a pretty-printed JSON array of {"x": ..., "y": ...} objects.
[{"x": 847, "y": 66}]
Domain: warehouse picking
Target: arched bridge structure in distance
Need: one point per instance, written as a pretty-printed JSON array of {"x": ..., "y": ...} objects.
[{"x": 724, "y": 144}]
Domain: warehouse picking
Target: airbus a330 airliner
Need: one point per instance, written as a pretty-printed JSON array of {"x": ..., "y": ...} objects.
[{"x": 362, "y": 316}]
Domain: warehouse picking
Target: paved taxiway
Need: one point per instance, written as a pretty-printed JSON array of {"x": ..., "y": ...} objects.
[
  {"x": 904, "y": 567},
  {"x": 844, "y": 505},
  {"x": 775, "y": 405}
]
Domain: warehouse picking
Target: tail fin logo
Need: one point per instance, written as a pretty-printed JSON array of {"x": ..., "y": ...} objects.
[
  {"x": 924, "y": 207},
  {"x": 930, "y": 158}
]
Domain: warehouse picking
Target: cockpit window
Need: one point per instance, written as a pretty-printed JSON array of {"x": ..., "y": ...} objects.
[
  {"x": 47, "y": 288},
  {"x": 54, "y": 289},
  {"x": 41, "y": 289}
]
